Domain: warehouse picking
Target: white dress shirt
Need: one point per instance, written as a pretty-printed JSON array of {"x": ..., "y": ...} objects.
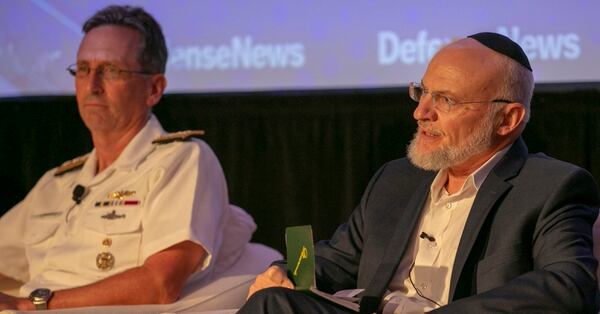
[{"x": 429, "y": 258}]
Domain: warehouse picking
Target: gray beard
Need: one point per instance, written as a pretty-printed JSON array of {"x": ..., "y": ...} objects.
[{"x": 447, "y": 156}]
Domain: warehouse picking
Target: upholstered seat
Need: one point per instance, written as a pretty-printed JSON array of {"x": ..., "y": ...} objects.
[{"x": 222, "y": 295}]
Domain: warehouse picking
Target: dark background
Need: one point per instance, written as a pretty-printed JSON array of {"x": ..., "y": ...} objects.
[{"x": 290, "y": 158}]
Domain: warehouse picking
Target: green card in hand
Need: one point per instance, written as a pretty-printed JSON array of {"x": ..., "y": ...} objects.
[
  {"x": 301, "y": 265},
  {"x": 300, "y": 256}
]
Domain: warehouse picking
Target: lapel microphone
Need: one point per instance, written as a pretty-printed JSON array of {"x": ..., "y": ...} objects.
[
  {"x": 424, "y": 235},
  {"x": 78, "y": 193}
]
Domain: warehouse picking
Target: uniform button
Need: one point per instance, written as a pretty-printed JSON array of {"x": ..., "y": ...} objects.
[
  {"x": 107, "y": 242},
  {"x": 105, "y": 261}
]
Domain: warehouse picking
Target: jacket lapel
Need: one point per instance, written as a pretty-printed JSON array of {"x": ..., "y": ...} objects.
[
  {"x": 494, "y": 186},
  {"x": 394, "y": 251}
]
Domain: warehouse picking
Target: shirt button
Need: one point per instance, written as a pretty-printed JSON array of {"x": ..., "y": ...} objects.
[
  {"x": 448, "y": 205},
  {"x": 423, "y": 286}
]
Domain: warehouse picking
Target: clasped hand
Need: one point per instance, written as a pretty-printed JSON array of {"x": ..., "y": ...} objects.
[{"x": 274, "y": 276}]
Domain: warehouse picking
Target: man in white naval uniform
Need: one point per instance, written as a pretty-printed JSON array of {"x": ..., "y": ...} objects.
[{"x": 144, "y": 211}]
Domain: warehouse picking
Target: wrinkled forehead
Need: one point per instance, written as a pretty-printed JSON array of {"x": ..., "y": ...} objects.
[
  {"x": 465, "y": 64},
  {"x": 110, "y": 43},
  {"x": 469, "y": 54}
]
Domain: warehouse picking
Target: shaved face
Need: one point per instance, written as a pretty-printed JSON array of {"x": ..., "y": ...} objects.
[{"x": 118, "y": 105}]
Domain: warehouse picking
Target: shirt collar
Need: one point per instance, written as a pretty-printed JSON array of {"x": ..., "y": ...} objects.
[
  {"x": 139, "y": 147},
  {"x": 474, "y": 180}
]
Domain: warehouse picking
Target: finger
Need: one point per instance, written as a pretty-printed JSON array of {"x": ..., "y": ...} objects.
[
  {"x": 274, "y": 276},
  {"x": 287, "y": 284},
  {"x": 279, "y": 277},
  {"x": 261, "y": 281},
  {"x": 251, "y": 291}
]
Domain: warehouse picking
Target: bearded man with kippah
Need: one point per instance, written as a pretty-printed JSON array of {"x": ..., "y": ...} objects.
[{"x": 470, "y": 222}]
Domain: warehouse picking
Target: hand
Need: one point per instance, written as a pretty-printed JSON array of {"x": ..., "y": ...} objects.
[
  {"x": 274, "y": 276},
  {"x": 8, "y": 302}
]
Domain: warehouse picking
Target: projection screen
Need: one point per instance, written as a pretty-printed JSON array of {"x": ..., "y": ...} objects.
[{"x": 231, "y": 46}]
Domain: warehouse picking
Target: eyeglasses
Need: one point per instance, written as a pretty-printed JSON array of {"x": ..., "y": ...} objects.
[
  {"x": 104, "y": 71},
  {"x": 441, "y": 102}
]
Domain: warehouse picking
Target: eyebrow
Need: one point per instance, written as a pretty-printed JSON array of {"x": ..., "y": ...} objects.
[
  {"x": 99, "y": 63},
  {"x": 442, "y": 92}
]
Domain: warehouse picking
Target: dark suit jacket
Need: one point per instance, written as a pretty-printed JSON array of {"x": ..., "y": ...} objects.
[{"x": 526, "y": 245}]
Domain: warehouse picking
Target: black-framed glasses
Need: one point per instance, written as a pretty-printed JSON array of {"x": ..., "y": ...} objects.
[
  {"x": 442, "y": 102},
  {"x": 104, "y": 71}
]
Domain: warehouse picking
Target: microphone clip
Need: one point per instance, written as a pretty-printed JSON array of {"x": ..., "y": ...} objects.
[
  {"x": 425, "y": 235},
  {"x": 79, "y": 193}
]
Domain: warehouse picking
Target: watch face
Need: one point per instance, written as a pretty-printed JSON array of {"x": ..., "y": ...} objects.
[
  {"x": 41, "y": 293},
  {"x": 40, "y": 297}
]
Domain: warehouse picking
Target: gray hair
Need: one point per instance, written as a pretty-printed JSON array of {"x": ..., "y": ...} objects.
[
  {"x": 518, "y": 85},
  {"x": 153, "y": 54}
]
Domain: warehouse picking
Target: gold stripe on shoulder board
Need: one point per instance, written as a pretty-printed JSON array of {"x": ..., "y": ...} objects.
[
  {"x": 70, "y": 165},
  {"x": 177, "y": 136}
]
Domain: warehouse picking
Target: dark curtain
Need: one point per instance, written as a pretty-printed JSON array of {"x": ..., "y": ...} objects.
[{"x": 289, "y": 158}]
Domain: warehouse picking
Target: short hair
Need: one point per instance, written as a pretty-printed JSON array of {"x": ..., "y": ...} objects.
[
  {"x": 153, "y": 54},
  {"x": 518, "y": 84}
]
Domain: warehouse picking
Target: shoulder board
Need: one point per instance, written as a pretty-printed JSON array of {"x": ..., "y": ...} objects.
[
  {"x": 177, "y": 136},
  {"x": 70, "y": 165}
]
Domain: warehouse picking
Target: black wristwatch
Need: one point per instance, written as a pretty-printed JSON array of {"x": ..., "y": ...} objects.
[{"x": 40, "y": 298}]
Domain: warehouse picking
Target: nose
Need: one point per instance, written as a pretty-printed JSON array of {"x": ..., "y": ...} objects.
[
  {"x": 95, "y": 83},
  {"x": 425, "y": 110}
]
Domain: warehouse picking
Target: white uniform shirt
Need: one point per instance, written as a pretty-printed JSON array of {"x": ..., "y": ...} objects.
[
  {"x": 152, "y": 197},
  {"x": 441, "y": 226}
]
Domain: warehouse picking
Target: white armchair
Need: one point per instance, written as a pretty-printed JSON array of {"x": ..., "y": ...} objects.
[{"x": 222, "y": 295}]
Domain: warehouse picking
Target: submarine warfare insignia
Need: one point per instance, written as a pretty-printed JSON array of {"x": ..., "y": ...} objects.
[{"x": 112, "y": 215}]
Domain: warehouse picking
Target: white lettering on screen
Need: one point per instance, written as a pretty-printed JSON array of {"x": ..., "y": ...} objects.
[
  {"x": 545, "y": 46},
  {"x": 392, "y": 49},
  {"x": 241, "y": 53}
]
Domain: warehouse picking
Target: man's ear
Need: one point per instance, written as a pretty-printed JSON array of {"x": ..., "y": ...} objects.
[
  {"x": 512, "y": 119},
  {"x": 158, "y": 83}
]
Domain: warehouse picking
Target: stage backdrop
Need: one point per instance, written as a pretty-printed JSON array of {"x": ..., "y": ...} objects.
[
  {"x": 224, "y": 45},
  {"x": 289, "y": 158}
]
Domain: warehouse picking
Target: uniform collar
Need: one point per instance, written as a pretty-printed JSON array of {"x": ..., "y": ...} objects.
[{"x": 133, "y": 154}]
